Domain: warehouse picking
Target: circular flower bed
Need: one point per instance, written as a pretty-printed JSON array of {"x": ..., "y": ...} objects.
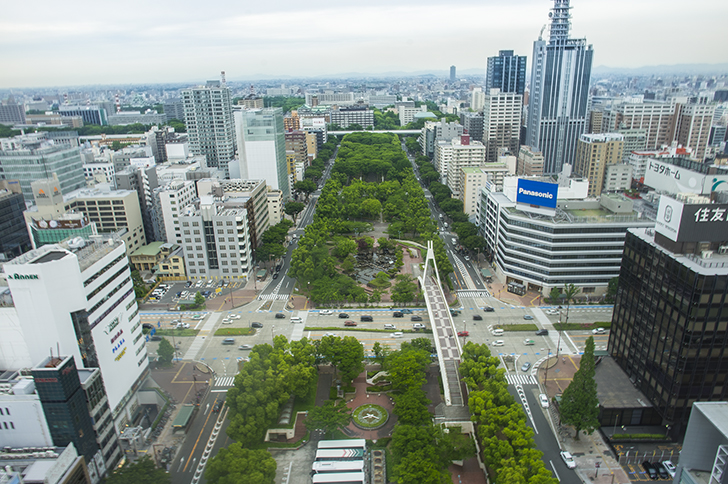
[{"x": 370, "y": 416}]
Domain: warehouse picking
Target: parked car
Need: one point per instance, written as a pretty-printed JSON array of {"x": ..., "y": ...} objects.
[
  {"x": 256, "y": 325},
  {"x": 498, "y": 342},
  {"x": 650, "y": 470},
  {"x": 568, "y": 460},
  {"x": 296, "y": 319},
  {"x": 454, "y": 312},
  {"x": 280, "y": 316},
  {"x": 155, "y": 338},
  {"x": 463, "y": 333},
  {"x": 477, "y": 317},
  {"x": 343, "y": 316},
  {"x": 147, "y": 326},
  {"x": 527, "y": 317},
  {"x": 552, "y": 311},
  {"x": 228, "y": 341},
  {"x": 669, "y": 467},
  {"x": 599, "y": 331},
  {"x": 488, "y": 309},
  {"x": 416, "y": 318},
  {"x": 349, "y": 323},
  {"x": 529, "y": 342},
  {"x": 544, "y": 400},
  {"x": 542, "y": 332},
  {"x": 526, "y": 366},
  {"x": 234, "y": 316},
  {"x": 226, "y": 321},
  {"x": 661, "y": 470},
  {"x": 326, "y": 312},
  {"x": 244, "y": 347}
]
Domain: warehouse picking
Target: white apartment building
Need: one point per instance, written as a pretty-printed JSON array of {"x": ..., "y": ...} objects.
[
  {"x": 477, "y": 99},
  {"x": 330, "y": 97},
  {"x": 99, "y": 172},
  {"x": 501, "y": 123},
  {"x": 78, "y": 298},
  {"x": 617, "y": 178},
  {"x": 169, "y": 203},
  {"x": 216, "y": 241},
  {"x": 275, "y": 206},
  {"x": 472, "y": 179},
  {"x": 407, "y": 113},
  {"x": 451, "y": 156}
]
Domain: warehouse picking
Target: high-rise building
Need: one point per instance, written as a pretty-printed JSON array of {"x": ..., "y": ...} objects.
[
  {"x": 143, "y": 181},
  {"x": 11, "y": 112},
  {"x": 473, "y": 124},
  {"x": 634, "y": 140},
  {"x": 358, "y": 114},
  {"x": 432, "y": 132},
  {"x": 209, "y": 120},
  {"x": 477, "y": 99},
  {"x": 174, "y": 109},
  {"x": 34, "y": 156},
  {"x": 530, "y": 162},
  {"x": 169, "y": 202},
  {"x": 14, "y": 238},
  {"x": 655, "y": 117},
  {"x": 453, "y": 74},
  {"x": 262, "y": 144},
  {"x": 559, "y": 91},
  {"x": 501, "y": 123},
  {"x": 594, "y": 152},
  {"x": 692, "y": 126},
  {"x": 506, "y": 72},
  {"x": 451, "y": 156},
  {"x": 669, "y": 321}
]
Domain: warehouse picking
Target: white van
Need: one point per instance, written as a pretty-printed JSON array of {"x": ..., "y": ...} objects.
[
  {"x": 497, "y": 332},
  {"x": 296, "y": 319},
  {"x": 389, "y": 326}
]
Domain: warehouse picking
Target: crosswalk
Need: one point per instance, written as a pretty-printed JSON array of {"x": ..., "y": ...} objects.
[
  {"x": 466, "y": 293},
  {"x": 225, "y": 381},
  {"x": 521, "y": 380},
  {"x": 273, "y": 297}
]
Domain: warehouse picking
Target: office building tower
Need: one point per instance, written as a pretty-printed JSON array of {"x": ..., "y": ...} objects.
[
  {"x": 452, "y": 74},
  {"x": 501, "y": 123},
  {"x": 169, "y": 202},
  {"x": 473, "y": 124},
  {"x": 14, "y": 239},
  {"x": 11, "y": 112},
  {"x": 432, "y": 132},
  {"x": 31, "y": 157},
  {"x": 472, "y": 179},
  {"x": 477, "y": 99},
  {"x": 559, "y": 92},
  {"x": 77, "y": 297},
  {"x": 262, "y": 143},
  {"x": 346, "y": 116},
  {"x": 692, "y": 126},
  {"x": 595, "y": 121},
  {"x": 594, "y": 152},
  {"x": 634, "y": 140},
  {"x": 669, "y": 319},
  {"x": 209, "y": 120},
  {"x": 143, "y": 181},
  {"x": 296, "y": 142},
  {"x": 174, "y": 109},
  {"x": 529, "y": 163},
  {"x": 506, "y": 72},
  {"x": 91, "y": 114}
]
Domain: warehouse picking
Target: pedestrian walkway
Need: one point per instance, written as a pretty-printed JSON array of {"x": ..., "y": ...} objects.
[
  {"x": 555, "y": 336},
  {"x": 208, "y": 329},
  {"x": 225, "y": 381},
  {"x": 473, "y": 294},
  {"x": 273, "y": 297},
  {"x": 521, "y": 380}
]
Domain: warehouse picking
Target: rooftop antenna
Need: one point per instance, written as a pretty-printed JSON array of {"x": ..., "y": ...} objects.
[{"x": 560, "y": 20}]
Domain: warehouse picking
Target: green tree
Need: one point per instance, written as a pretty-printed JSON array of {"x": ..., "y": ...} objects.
[
  {"x": 555, "y": 295},
  {"x": 238, "y": 465},
  {"x": 143, "y": 471},
  {"x": 116, "y": 145},
  {"x": 612, "y": 287},
  {"x": 570, "y": 291},
  {"x": 380, "y": 352},
  {"x": 306, "y": 187},
  {"x": 329, "y": 417},
  {"x": 178, "y": 125},
  {"x": 293, "y": 209},
  {"x": 199, "y": 300},
  {"x": 411, "y": 408},
  {"x": 579, "y": 403},
  {"x": 165, "y": 352}
]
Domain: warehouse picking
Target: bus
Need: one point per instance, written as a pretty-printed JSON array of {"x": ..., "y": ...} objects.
[
  {"x": 339, "y": 454},
  {"x": 339, "y": 478},
  {"x": 343, "y": 444},
  {"x": 516, "y": 288},
  {"x": 340, "y": 466}
]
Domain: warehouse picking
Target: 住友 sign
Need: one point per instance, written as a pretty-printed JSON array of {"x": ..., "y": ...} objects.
[
  {"x": 680, "y": 222},
  {"x": 532, "y": 192}
]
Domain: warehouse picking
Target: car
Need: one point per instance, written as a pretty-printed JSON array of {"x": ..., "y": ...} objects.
[
  {"x": 488, "y": 309},
  {"x": 398, "y": 334},
  {"x": 333, "y": 335},
  {"x": 544, "y": 400},
  {"x": 527, "y": 317},
  {"x": 228, "y": 341},
  {"x": 661, "y": 470},
  {"x": 256, "y": 325},
  {"x": 245, "y": 347},
  {"x": 542, "y": 332},
  {"x": 179, "y": 294},
  {"x": 147, "y": 326},
  {"x": 398, "y": 314},
  {"x": 599, "y": 331},
  {"x": 467, "y": 257},
  {"x": 477, "y": 317},
  {"x": 155, "y": 338},
  {"x": 650, "y": 470},
  {"x": 406, "y": 311},
  {"x": 183, "y": 326},
  {"x": 242, "y": 359},
  {"x": 463, "y": 333},
  {"x": 416, "y": 318},
  {"x": 552, "y": 311},
  {"x": 568, "y": 460},
  {"x": 326, "y": 312},
  {"x": 197, "y": 316},
  {"x": 366, "y": 317},
  {"x": 152, "y": 298},
  {"x": 280, "y": 316},
  {"x": 227, "y": 321},
  {"x": 389, "y": 326},
  {"x": 454, "y": 312},
  {"x": 296, "y": 319},
  {"x": 349, "y": 323},
  {"x": 217, "y": 406},
  {"x": 526, "y": 366},
  {"x": 418, "y": 326},
  {"x": 528, "y": 342},
  {"x": 275, "y": 275},
  {"x": 498, "y": 342},
  {"x": 669, "y": 467},
  {"x": 343, "y": 316},
  {"x": 234, "y": 316}
]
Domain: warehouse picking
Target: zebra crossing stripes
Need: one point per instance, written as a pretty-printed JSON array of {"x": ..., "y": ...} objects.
[
  {"x": 226, "y": 381},
  {"x": 521, "y": 380},
  {"x": 473, "y": 294},
  {"x": 273, "y": 297}
]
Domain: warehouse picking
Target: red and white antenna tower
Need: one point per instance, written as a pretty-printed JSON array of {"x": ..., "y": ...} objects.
[{"x": 118, "y": 104}]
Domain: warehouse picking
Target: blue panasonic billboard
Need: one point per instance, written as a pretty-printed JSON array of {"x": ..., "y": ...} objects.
[{"x": 538, "y": 193}]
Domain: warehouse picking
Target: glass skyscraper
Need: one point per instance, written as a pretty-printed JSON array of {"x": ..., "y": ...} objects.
[
  {"x": 559, "y": 96},
  {"x": 506, "y": 72}
]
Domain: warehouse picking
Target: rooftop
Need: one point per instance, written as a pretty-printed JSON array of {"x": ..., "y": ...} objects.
[
  {"x": 715, "y": 265},
  {"x": 614, "y": 389},
  {"x": 149, "y": 249}
]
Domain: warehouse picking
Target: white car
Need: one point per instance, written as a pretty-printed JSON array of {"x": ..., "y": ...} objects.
[
  {"x": 498, "y": 342},
  {"x": 326, "y": 312},
  {"x": 183, "y": 326},
  {"x": 568, "y": 460},
  {"x": 544, "y": 400},
  {"x": 669, "y": 467},
  {"x": 599, "y": 331},
  {"x": 226, "y": 321},
  {"x": 296, "y": 319},
  {"x": 234, "y": 316},
  {"x": 552, "y": 311}
]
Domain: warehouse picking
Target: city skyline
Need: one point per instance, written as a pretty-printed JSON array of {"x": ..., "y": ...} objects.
[{"x": 146, "y": 43}]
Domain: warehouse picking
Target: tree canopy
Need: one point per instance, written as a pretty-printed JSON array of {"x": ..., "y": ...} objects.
[
  {"x": 143, "y": 471},
  {"x": 579, "y": 403},
  {"x": 332, "y": 415},
  {"x": 238, "y": 465}
]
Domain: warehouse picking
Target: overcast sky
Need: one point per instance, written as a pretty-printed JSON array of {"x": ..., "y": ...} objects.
[{"x": 79, "y": 42}]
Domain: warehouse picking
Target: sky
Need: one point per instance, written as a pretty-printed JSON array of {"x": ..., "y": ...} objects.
[{"x": 83, "y": 42}]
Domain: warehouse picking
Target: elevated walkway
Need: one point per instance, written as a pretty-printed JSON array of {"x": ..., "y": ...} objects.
[{"x": 443, "y": 329}]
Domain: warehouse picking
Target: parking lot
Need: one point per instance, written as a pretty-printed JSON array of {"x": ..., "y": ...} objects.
[{"x": 174, "y": 292}]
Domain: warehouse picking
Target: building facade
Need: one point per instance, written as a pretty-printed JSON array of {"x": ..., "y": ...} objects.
[
  {"x": 559, "y": 91},
  {"x": 530, "y": 162},
  {"x": 346, "y": 116},
  {"x": 169, "y": 202},
  {"x": 501, "y": 123},
  {"x": 594, "y": 152},
  {"x": 506, "y": 72},
  {"x": 451, "y": 156},
  {"x": 14, "y": 238}
]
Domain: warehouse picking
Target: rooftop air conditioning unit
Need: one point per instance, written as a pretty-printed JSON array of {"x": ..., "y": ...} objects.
[
  {"x": 723, "y": 249},
  {"x": 706, "y": 254}
]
